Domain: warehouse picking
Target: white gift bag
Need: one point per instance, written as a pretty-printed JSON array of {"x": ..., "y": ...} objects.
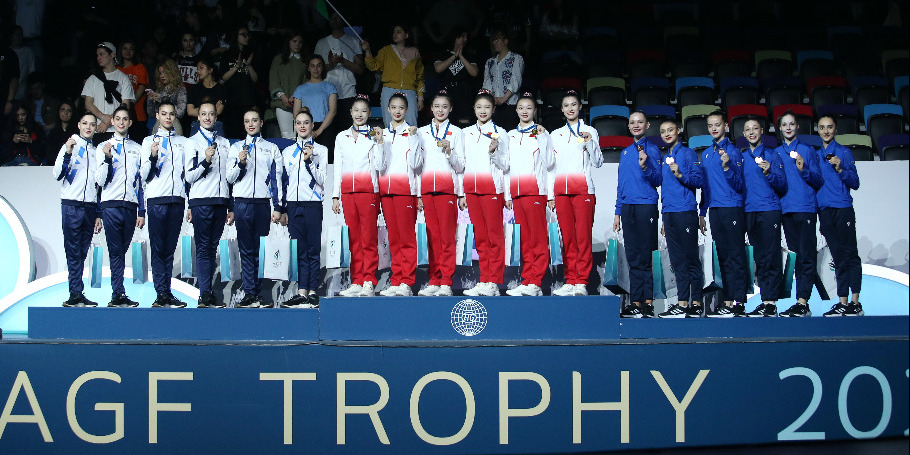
[{"x": 274, "y": 254}]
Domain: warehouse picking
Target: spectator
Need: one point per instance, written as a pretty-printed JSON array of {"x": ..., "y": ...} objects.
[
  {"x": 320, "y": 97},
  {"x": 502, "y": 75},
  {"x": 63, "y": 129},
  {"x": 186, "y": 58},
  {"x": 26, "y": 58},
  {"x": 23, "y": 139},
  {"x": 207, "y": 90},
  {"x": 169, "y": 89},
  {"x": 458, "y": 74},
  {"x": 238, "y": 78},
  {"x": 44, "y": 106},
  {"x": 286, "y": 73},
  {"x": 106, "y": 88},
  {"x": 401, "y": 71},
  {"x": 139, "y": 79},
  {"x": 344, "y": 61}
]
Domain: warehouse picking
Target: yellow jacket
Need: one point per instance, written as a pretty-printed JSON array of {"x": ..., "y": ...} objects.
[{"x": 394, "y": 73}]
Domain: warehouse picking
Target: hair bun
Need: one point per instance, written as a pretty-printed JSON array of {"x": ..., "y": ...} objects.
[{"x": 304, "y": 109}]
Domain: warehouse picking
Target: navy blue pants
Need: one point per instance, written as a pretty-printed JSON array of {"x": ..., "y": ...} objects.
[
  {"x": 78, "y": 229},
  {"x": 164, "y": 231},
  {"x": 252, "y": 222},
  {"x": 800, "y": 229},
  {"x": 764, "y": 236},
  {"x": 305, "y": 225},
  {"x": 681, "y": 230},
  {"x": 728, "y": 228},
  {"x": 119, "y": 224},
  {"x": 208, "y": 225},
  {"x": 838, "y": 225},
  {"x": 639, "y": 226}
]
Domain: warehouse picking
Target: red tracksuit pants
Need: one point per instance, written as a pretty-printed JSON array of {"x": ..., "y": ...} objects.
[
  {"x": 486, "y": 216},
  {"x": 576, "y": 220},
  {"x": 361, "y": 211},
  {"x": 531, "y": 215},
  {"x": 441, "y": 213},
  {"x": 400, "y": 213}
]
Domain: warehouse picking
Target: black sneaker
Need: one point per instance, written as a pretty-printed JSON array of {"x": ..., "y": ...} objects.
[
  {"x": 693, "y": 311},
  {"x": 739, "y": 310},
  {"x": 122, "y": 301},
  {"x": 723, "y": 311},
  {"x": 631, "y": 311},
  {"x": 294, "y": 302},
  {"x": 798, "y": 310},
  {"x": 248, "y": 301},
  {"x": 313, "y": 300},
  {"x": 162, "y": 301},
  {"x": 175, "y": 302},
  {"x": 264, "y": 304},
  {"x": 839, "y": 309},
  {"x": 675, "y": 312},
  {"x": 75, "y": 300},
  {"x": 207, "y": 300},
  {"x": 855, "y": 309},
  {"x": 763, "y": 310},
  {"x": 87, "y": 302},
  {"x": 647, "y": 310}
]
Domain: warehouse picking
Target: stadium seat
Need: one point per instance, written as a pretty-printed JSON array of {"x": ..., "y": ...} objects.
[
  {"x": 868, "y": 90},
  {"x": 694, "y": 90},
  {"x": 657, "y": 115},
  {"x": 882, "y": 120},
  {"x": 688, "y": 64},
  {"x": 605, "y": 68},
  {"x": 860, "y": 65},
  {"x": 896, "y": 62},
  {"x": 551, "y": 118},
  {"x": 553, "y": 89},
  {"x": 646, "y": 64},
  {"x": 679, "y": 38},
  {"x": 599, "y": 38},
  {"x": 803, "y": 116},
  {"x": 859, "y": 144},
  {"x": 739, "y": 90},
  {"x": 701, "y": 142},
  {"x": 811, "y": 139},
  {"x": 759, "y": 36},
  {"x": 732, "y": 63},
  {"x": 815, "y": 64},
  {"x": 658, "y": 142},
  {"x": 375, "y": 118},
  {"x": 773, "y": 63},
  {"x": 782, "y": 90},
  {"x": 280, "y": 142},
  {"x": 610, "y": 120},
  {"x": 611, "y": 147},
  {"x": 894, "y": 147},
  {"x": 738, "y": 116},
  {"x": 768, "y": 140},
  {"x": 846, "y": 116},
  {"x": 650, "y": 91},
  {"x": 901, "y": 92},
  {"x": 694, "y": 118},
  {"x": 845, "y": 41},
  {"x": 825, "y": 90},
  {"x": 606, "y": 90}
]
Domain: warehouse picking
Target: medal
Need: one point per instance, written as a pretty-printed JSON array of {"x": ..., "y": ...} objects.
[
  {"x": 534, "y": 131},
  {"x": 580, "y": 140},
  {"x": 494, "y": 136},
  {"x": 758, "y": 160},
  {"x": 246, "y": 148},
  {"x": 372, "y": 134},
  {"x": 439, "y": 140},
  {"x": 670, "y": 160},
  {"x": 793, "y": 154},
  {"x": 440, "y": 144}
]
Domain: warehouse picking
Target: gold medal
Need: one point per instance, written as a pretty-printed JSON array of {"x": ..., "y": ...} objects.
[
  {"x": 494, "y": 135},
  {"x": 534, "y": 131},
  {"x": 580, "y": 140},
  {"x": 440, "y": 144},
  {"x": 372, "y": 133}
]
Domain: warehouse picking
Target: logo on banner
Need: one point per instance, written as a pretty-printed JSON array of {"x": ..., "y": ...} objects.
[{"x": 469, "y": 317}]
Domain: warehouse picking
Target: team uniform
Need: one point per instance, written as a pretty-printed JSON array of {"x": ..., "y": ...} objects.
[
  {"x": 440, "y": 185},
  {"x": 398, "y": 161},
  {"x": 763, "y": 223},
  {"x": 209, "y": 203},
  {"x": 482, "y": 184},
  {"x": 257, "y": 192},
  {"x": 680, "y": 214},
  {"x": 79, "y": 206},
  {"x": 357, "y": 185},
  {"x": 799, "y": 216},
  {"x": 837, "y": 222},
  {"x": 303, "y": 184},
  {"x": 636, "y": 203},
  {"x": 573, "y": 189},
  {"x": 122, "y": 200},
  {"x": 165, "y": 190},
  {"x": 530, "y": 160},
  {"x": 722, "y": 195}
]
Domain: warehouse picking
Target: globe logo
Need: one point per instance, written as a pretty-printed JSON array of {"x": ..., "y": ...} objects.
[{"x": 469, "y": 317}]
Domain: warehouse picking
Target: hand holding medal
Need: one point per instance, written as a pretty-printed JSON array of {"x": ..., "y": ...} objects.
[
  {"x": 376, "y": 134},
  {"x": 307, "y": 151},
  {"x": 244, "y": 153},
  {"x": 724, "y": 159}
]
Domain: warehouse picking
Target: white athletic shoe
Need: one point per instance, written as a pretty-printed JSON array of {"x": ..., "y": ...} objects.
[
  {"x": 489, "y": 290},
  {"x": 404, "y": 290},
  {"x": 444, "y": 291},
  {"x": 428, "y": 291},
  {"x": 390, "y": 291},
  {"x": 525, "y": 290},
  {"x": 565, "y": 290},
  {"x": 368, "y": 290},
  {"x": 581, "y": 289},
  {"x": 478, "y": 289},
  {"x": 352, "y": 291}
]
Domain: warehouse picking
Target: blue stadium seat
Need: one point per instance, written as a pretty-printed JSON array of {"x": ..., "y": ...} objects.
[
  {"x": 657, "y": 115},
  {"x": 650, "y": 91},
  {"x": 894, "y": 147},
  {"x": 868, "y": 90},
  {"x": 874, "y": 110},
  {"x": 739, "y": 90},
  {"x": 811, "y": 139},
  {"x": 882, "y": 120},
  {"x": 610, "y": 120},
  {"x": 782, "y": 90},
  {"x": 815, "y": 63},
  {"x": 846, "y": 116},
  {"x": 694, "y": 90},
  {"x": 699, "y": 143}
]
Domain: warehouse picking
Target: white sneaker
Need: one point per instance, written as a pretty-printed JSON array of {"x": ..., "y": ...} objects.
[
  {"x": 476, "y": 290},
  {"x": 355, "y": 289},
  {"x": 489, "y": 290},
  {"x": 566, "y": 289},
  {"x": 367, "y": 291},
  {"x": 525, "y": 290},
  {"x": 581, "y": 289},
  {"x": 428, "y": 291},
  {"x": 390, "y": 291},
  {"x": 403, "y": 290},
  {"x": 444, "y": 291}
]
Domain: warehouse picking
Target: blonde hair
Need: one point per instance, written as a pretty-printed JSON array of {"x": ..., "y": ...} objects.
[{"x": 169, "y": 68}]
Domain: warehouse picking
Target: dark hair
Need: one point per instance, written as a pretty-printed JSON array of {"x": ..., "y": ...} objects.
[
  {"x": 361, "y": 98},
  {"x": 286, "y": 53},
  {"x": 500, "y": 32},
  {"x": 454, "y": 33},
  {"x": 398, "y": 96},
  {"x": 485, "y": 94},
  {"x": 304, "y": 110},
  {"x": 786, "y": 113},
  {"x": 209, "y": 100},
  {"x": 409, "y": 41},
  {"x": 820, "y": 117},
  {"x": 443, "y": 93},
  {"x": 670, "y": 120},
  {"x": 136, "y": 58},
  {"x": 324, "y": 70},
  {"x": 574, "y": 94},
  {"x": 166, "y": 103},
  {"x": 719, "y": 112},
  {"x": 122, "y": 107},
  {"x": 528, "y": 96},
  {"x": 254, "y": 110},
  {"x": 82, "y": 113}
]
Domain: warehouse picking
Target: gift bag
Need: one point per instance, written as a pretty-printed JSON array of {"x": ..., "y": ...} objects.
[
  {"x": 97, "y": 262},
  {"x": 464, "y": 244},
  {"x": 616, "y": 269},
  {"x": 336, "y": 243},
  {"x": 555, "y": 242},
  {"x": 383, "y": 248},
  {"x": 711, "y": 267},
  {"x": 512, "y": 244},
  {"x": 825, "y": 269},
  {"x": 274, "y": 254},
  {"x": 187, "y": 252},
  {"x": 140, "y": 259},
  {"x": 345, "y": 246},
  {"x": 292, "y": 259},
  {"x": 789, "y": 272},
  {"x": 423, "y": 251},
  {"x": 750, "y": 260},
  {"x": 230, "y": 259},
  {"x": 657, "y": 270},
  {"x": 668, "y": 271}
]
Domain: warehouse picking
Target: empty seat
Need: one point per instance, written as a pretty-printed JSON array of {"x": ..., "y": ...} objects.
[
  {"x": 859, "y": 144},
  {"x": 650, "y": 91},
  {"x": 815, "y": 63},
  {"x": 606, "y": 90},
  {"x": 773, "y": 63},
  {"x": 738, "y": 116},
  {"x": 802, "y": 112},
  {"x": 553, "y": 89},
  {"x": 610, "y": 120},
  {"x": 894, "y": 147},
  {"x": 846, "y": 117},
  {"x": 845, "y": 41},
  {"x": 611, "y": 147},
  {"x": 882, "y": 120},
  {"x": 768, "y": 140},
  {"x": 646, "y": 63},
  {"x": 658, "y": 142},
  {"x": 688, "y": 64},
  {"x": 901, "y": 92},
  {"x": 739, "y": 90},
  {"x": 811, "y": 140},
  {"x": 895, "y": 62},
  {"x": 551, "y": 118},
  {"x": 868, "y": 90},
  {"x": 700, "y": 142},
  {"x": 782, "y": 90},
  {"x": 657, "y": 115},
  {"x": 826, "y": 90},
  {"x": 732, "y": 63},
  {"x": 694, "y": 90},
  {"x": 694, "y": 118}
]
